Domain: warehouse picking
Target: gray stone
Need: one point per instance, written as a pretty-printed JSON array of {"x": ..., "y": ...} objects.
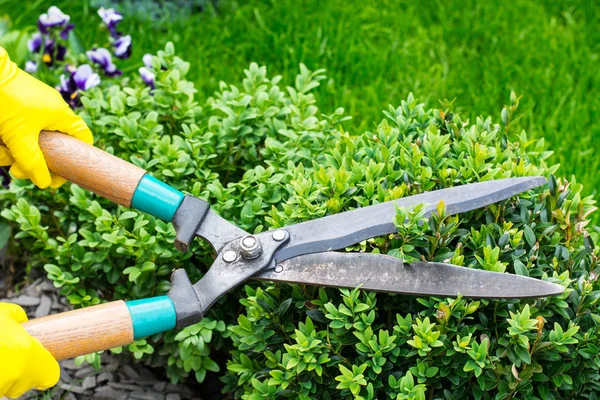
[
  {"x": 71, "y": 388},
  {"x": 89, "y": 383},
  {"x": 173, "y": 396},
  {"x": 112, "y": 366},
  {"x": 147, "y": 396},
  {"x": 123, "y": 386},
  {"x": 180, "y": 389},
  {"x": 130, "y": 372},
  {"x": 33, "y": 289},
  {"x": 46, "y": 286},
  {"x": 56, "y": 305},
  {"x": 159, "y": 386},
  {"x": 69, "y": 364},
  {"x": 146, "y": 377},
  {"x": 104, "y": 389},
  {"x": 26, "y": 301},
  {"x": 85, "y": 371},
  {"x": 108, "y": 393},
  {"x": 123, "y": 379},
  {"x": 64, "y": 375},
  {"x": 105, "y": 377},
  {"x": 70, "y": 396},
  {"x": 44, "y": 308}
]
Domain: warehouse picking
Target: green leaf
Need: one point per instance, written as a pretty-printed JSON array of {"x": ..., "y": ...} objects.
[
  {"x": 520, "y": 268},
  {"x": 133, "y": 273},
  {"x": 4, "y": 234},
  {"x": 53, "y": 269},
  {"x": 283, "y": 307},
  {"x": 523, "y": 354},
  {"x": 529, "y": 236},
  {"x": 117, "y": 105}
]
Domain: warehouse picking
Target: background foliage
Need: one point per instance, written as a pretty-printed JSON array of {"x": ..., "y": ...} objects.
[
  {"x": 267, "y": 151},
  {"x": 376, "y": 52}
]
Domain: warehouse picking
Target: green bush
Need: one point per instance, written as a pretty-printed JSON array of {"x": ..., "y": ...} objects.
[{"x": 264, "y": 156}]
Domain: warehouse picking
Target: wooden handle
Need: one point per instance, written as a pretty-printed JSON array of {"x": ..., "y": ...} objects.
[
  {"x": 83, "y": 331},
  {"x": 89, "y": 167}
]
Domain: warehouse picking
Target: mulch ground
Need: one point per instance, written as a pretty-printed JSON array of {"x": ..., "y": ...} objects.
[{"x": 118, "y": 378}]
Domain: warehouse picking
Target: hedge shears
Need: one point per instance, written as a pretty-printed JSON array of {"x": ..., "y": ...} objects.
[{"x": 303, "y": 253}]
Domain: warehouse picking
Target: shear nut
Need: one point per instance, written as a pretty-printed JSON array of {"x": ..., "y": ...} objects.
[{"x": 250, "y": 247}]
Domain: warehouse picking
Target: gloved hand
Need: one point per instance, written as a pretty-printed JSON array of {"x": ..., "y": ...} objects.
[
  {"x": 28, "y": 106},
  {"x": 24, "y": 363}
]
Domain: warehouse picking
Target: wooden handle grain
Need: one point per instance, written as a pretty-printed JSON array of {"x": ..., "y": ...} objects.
[
  {"x": 89, "y": 167},
  {"x": 83, "y": 331}
]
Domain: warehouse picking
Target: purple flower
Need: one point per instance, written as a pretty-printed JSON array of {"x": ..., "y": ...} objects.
[
  {"x": 65, "y": 83},
  {"x": 147, "y": 59},
  {"x": 123, "y": 46},
  {"x": 35, "y": 43},
  {"x": 85, "y": 78},
  {"x": 53, "y": 53},
  {"x": 64, "y": 34},
  {"x": 54, "y": 18},
  {"x": 103, "y": 58},
  {"x": 68, "y": 90},
  {"x": 81, "y": 78},
  {"x": 31, "y": 67},
  {"x": 147, "y": 76},
  {"x": 147, "y": 72},
  {"x": 111, "y": 18}
]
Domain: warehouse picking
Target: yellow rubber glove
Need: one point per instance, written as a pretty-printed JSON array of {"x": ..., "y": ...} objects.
[
  {"x": 24, "y": 363},
  {"x": 28, "y": 106}
]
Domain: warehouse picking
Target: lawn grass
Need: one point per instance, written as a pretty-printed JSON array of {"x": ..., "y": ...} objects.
[{"x": 376, "y": 53}]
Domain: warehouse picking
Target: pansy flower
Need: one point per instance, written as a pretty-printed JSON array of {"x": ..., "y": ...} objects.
[
  {"x": 147, "y": 60},
  {"x": 111, "y": 18},
  {"x": 31, "y": 67},
  {"x": 147, "y": 76},
  {"x": 80, "y": 78},
  {"x": 53, "y": 53},
  {"x": 85, "y": 77},
  {"x": 64, "y": 34},
  {"x": 55, "y": 18},
  {"x": 103, "y": 58},
  {"x": 35, "y": 43},
  {"x": 147, "y": 71},
  {"x": 123, "y": 46}
]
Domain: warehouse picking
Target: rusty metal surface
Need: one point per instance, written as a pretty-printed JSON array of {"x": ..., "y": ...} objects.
[{"x": 389, "y": 274}]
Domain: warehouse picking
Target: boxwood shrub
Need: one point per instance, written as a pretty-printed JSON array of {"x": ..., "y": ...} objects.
[{"x": 264, "y": 155}]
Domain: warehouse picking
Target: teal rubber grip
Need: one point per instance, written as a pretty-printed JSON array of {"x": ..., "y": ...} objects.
[
  {"x": 156, "y": 198},
  {"x": 150, "y": 316}
]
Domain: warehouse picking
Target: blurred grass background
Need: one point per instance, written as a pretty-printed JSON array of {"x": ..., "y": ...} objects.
[{"x": 376, "y": 52}]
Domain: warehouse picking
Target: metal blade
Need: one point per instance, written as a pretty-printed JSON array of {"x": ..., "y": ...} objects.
[
  {"x": 218, "y": 231},
  {"x": 345, "y": 229},
  {"x": 388, "y": 274}
]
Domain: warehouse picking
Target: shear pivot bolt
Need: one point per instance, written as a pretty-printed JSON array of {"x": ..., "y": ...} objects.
[
  {"x": 279, "y": 268},
  {"x": 250, "y": 247},
  {"x": 229, "y": 256},
  {"x": 278, "y": 235}
]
